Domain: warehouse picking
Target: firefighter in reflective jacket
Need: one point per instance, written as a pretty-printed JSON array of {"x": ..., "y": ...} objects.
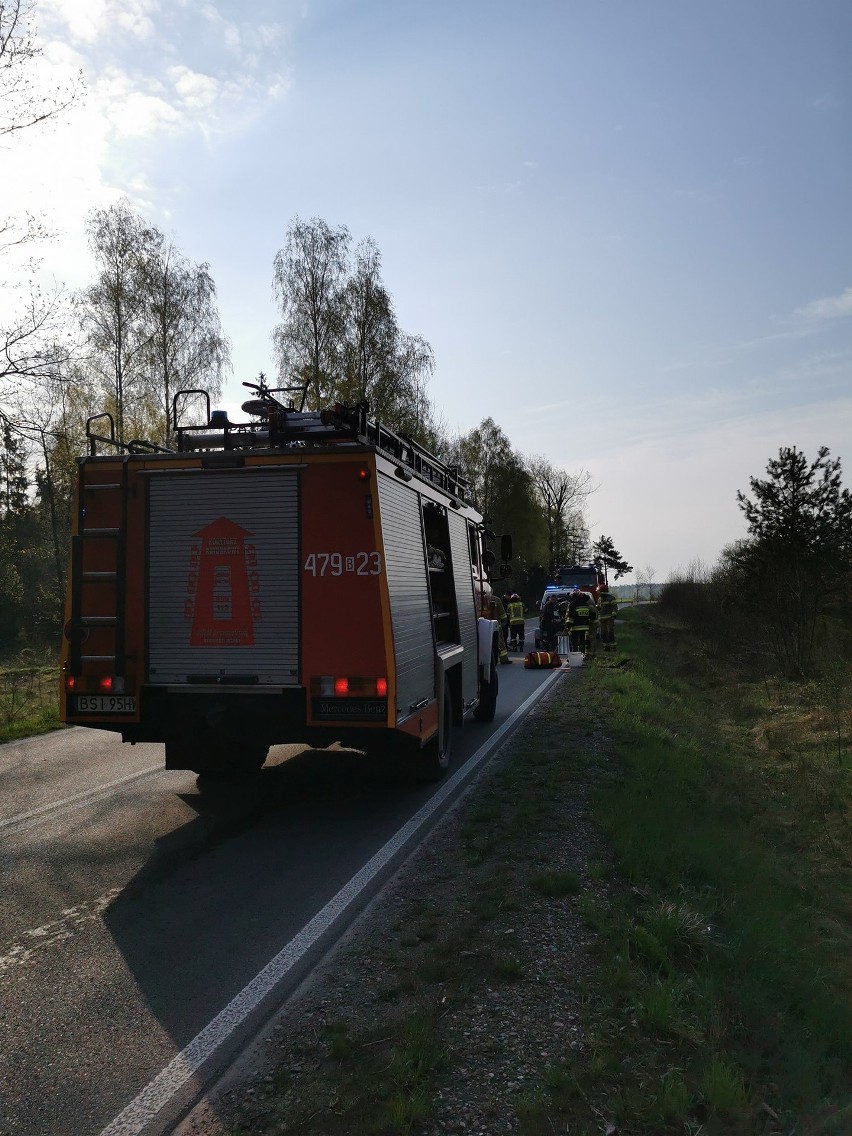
[
  {"x": 499, "y": 613},
  {"x": 580, "y": 620},
  {"x": 515, "y": 611},
  {"x": 608, "y": 606}
]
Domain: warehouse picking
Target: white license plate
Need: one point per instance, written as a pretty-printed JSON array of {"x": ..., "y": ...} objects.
[{"x": 104, "y": 703}]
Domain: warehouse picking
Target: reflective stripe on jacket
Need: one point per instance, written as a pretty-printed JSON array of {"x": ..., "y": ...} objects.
[
  {"x": 582, "y": 617},
  {"x": 515, "y": 611}
]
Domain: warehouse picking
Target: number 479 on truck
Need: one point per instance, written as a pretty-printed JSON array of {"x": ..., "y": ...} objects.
[{"x": 302, "y": 576}]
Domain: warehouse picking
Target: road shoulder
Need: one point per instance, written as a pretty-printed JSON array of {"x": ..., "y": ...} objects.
[{"x": 455, "y": 995}]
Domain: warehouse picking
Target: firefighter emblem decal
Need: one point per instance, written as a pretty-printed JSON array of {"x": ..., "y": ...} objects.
[{"x": 222, "y": 587}]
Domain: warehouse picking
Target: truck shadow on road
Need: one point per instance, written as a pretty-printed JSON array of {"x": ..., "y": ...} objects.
[{"x": 221, "y": 894}]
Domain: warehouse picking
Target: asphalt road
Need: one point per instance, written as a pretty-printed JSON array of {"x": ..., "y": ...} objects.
[{"x": 136, "y": 910}]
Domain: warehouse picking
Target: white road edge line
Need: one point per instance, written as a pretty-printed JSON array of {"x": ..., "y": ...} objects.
[
  {"x": 133, "y": 1119},
  {"x": 78, "y": 799}
]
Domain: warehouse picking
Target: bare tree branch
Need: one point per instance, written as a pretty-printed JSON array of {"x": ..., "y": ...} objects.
[
  {"x": 23, "y": 104},
  {"x": 562, "y": 496}
]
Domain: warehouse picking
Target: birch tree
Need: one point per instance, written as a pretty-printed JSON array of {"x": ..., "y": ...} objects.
[
  {"x": 309, "y": 277},
  {"x": 369, "y": 333},
  {"x": 150, "y": 323},
  {"x": 186, "y": 347},
  {"x": 113, "y": 310}
]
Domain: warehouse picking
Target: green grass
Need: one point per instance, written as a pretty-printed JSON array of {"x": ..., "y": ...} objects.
[
  {"x": 719, "y": 900},
  {"x": 726, "y": 953},
  {"x": 29, "y": 698},
  {"x": 372, "y": 1083}
]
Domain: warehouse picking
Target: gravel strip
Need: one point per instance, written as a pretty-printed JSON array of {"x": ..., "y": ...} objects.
[{"x": 507, "y": 1001}]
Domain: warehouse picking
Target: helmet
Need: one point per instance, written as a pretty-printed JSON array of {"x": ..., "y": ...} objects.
[{"x": 515, "y": 597}]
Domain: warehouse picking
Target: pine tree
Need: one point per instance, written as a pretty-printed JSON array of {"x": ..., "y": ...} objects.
[
  {"x": 14, "y": 480},
  {"x": 607, "y": 556},
  {"x": 801, "y": 507},
  {"x": 795, "y": 567}
]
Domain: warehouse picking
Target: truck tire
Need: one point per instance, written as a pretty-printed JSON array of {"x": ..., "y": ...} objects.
[
  {"x": 488, "y": 691},
  {"x": 434, "y": 761}
]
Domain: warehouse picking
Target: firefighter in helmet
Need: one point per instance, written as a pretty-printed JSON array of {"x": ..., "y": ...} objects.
[
  {"x": 607, "y": 607},
  {"x": 581, "y": 618},
  {"x": 515, "y": 612}
]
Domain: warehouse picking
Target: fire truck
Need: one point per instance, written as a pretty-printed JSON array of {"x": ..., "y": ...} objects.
[
  {"x": 586, "y": 577},
  {"x": 299, "y": 577}
]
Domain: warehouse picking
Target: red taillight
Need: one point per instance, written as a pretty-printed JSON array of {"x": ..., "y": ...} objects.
[
  {"x": 363, "y": 473},
  {"x": 105, "y": 682},
  {"x": 382, "y": 687},
  {"x": 341, "y": 686},
  {"x": 70, "y": 682}
]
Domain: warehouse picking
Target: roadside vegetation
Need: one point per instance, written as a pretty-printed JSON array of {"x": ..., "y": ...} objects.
[
  {"x": 725, "y": 945},
  {"x": 712, "y": 983},
  {"x": 29, "y": 696}
]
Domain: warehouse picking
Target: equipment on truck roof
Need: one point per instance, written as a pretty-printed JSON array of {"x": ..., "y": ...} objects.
[{"x": 303, "y": 576}]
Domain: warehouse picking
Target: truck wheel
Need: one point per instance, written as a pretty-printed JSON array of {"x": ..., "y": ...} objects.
[
  {"x": 487, "y": 707},
  {"x": 435, "y": 759}
]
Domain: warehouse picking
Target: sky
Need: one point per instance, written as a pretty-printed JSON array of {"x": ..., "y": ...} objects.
[{"x": 624, "y": 228}]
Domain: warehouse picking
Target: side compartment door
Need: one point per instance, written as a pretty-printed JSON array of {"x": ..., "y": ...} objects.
[
  {"x": 462, "y": 575},
  {"x": 223, "y": 577},
  {"x": 411, "y": 615}
]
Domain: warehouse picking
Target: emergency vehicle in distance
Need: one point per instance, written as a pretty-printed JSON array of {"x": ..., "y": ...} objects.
[
  {"x": 569, "y": 579},
  {"x": 299, "y": 577},
  {"x": 586, "y": 577}
]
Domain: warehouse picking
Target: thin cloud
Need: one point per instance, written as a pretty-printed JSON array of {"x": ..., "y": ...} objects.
[
  {"x": 822, "y": 102},
  {"x": 813, "y": 385},
  {"x": 227, "y": 29},
  {"x": 133, "y": 111},
  {"x": 98, "y": 19},
  {"x": 193, "y": 88},
  {"x": 804, "y": 321},
  {"x": 790, "y": 333},
  {"x": 829, "y": 308}
]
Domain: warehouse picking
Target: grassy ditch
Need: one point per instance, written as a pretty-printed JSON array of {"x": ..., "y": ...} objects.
[
  {"x": 640, "y": 923},
  {"x": 29, "y": 696},
  {"x": 725, "y": 951}
]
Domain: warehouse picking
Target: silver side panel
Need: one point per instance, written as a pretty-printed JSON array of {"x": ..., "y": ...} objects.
[
  {"x": 223, "y": 576},
  {"x": 463, "y": 580},
  {"x": 411, "y": 615}
]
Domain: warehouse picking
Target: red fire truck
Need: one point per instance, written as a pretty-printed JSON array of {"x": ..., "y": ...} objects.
[
  {"x": 297, "y": 577},
  {"x": 586, "y": 577}
]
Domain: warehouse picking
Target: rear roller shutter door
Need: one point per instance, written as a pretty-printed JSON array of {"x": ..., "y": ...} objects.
[{"x": 223, "y": 575}]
